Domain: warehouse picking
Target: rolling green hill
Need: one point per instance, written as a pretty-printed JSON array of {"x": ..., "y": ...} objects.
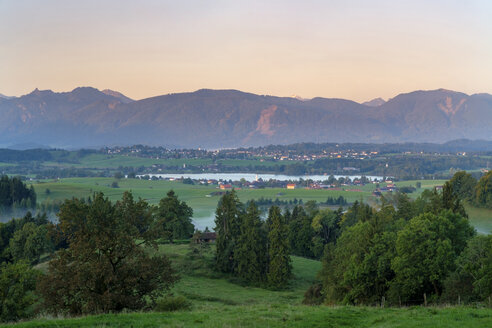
[{"x": 219, "y": 302}]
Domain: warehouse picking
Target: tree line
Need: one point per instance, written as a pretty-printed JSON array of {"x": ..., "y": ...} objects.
[
  {"x": 15, "y": 194},
  {"x": 469, "y": 189},
  {"x": 405, "y": 252},
  {"x": 256, "y": 251},
  {"x": 330, "y": 201}
]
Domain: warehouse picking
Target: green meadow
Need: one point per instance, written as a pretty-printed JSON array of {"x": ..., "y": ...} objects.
[
  {"x": 197, "y": 196},
  {"x": 99, "y": 161},
  {"x": 218, "y": 301},
  {"x": 282, "y": 315}
]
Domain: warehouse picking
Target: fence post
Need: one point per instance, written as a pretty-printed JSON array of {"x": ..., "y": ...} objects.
[
  {"x": 425, "y": 299},
  {"x": 382, "y": 302},
  {"x": 459, "y": 299}
]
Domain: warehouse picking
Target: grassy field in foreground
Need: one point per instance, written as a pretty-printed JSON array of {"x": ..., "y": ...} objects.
[
  {"x": 285, "y": 316},
  {"x": 218, "y": 302}
]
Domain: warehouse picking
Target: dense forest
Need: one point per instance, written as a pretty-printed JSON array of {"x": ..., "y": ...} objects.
[{"x": 14, "y": 194}]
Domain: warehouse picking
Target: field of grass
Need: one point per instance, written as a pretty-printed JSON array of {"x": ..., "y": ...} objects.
[
  {"x": 197, "y": 196},
  {"x": 100, "y": 161},
  {"x": 481, "y": 218},
  {"x": 275, "y": 315},
  {"x": 218, "y": 302}
]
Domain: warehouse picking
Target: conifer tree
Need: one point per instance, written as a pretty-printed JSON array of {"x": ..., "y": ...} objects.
[
  {"x": 300, "y": 233},
  {"x": 279, "y": 266},
  {"x": 250, "y": 255},
  {"x": 175, "y": 217},
  {"x": 227, "y": 227}
]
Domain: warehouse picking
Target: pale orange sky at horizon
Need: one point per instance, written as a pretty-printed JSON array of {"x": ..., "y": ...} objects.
[{"x": 356, "y": 50}]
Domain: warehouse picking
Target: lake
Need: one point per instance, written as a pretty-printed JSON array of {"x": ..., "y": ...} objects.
[{"x": 252, "y": 177}]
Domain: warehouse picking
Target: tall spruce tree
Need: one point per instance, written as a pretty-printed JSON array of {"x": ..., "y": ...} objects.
[
  {"x": 227, "y": 227},
  {"x": 250, "y": 254},
  {"x": 279, "y": 266},
  {"x": 301, "y": 233}
]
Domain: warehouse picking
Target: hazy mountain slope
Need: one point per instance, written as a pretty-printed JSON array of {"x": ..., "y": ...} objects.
[
  {"x": 376, "y": 102},
  {"x": 2, "y": 96},
  {"x": 124, "y": 99},
  {"x": 230, "y": 118},
  {"x": 437, "y": 116}
]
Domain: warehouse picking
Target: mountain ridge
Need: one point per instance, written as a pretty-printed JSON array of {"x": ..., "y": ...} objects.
[{"x": 211, "y": 118}]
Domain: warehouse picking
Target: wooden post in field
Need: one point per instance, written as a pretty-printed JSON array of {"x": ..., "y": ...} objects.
[
  {"x": 425, "y": 299},
  {"x": 459, "y": 299},
  {"x": 399, "y": 300},
  {"x": 382, "y": 302}
]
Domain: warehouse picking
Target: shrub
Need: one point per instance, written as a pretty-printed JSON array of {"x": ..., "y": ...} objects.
[
  {"x": 172, "y": 303},
  {"x": 313, "y": 296}
]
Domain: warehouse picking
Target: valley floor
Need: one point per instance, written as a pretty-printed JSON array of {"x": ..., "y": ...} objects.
[{"x": 197, "y": 196}]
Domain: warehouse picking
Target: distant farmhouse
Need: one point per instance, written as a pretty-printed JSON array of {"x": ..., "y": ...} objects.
[
  {"x": 204, "y": 237},
  {"x": 225, "y": 186}
]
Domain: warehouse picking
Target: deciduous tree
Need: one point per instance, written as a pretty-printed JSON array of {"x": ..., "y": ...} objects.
[{"x": 106, "y": 266}]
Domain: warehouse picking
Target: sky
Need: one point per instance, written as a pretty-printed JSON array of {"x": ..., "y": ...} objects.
[{"x": 348, "y": 49}]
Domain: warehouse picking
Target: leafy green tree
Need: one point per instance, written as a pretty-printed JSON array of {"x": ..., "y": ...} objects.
[
  {"x": 228, "y": 228},
  {"x": 483, "y": 191},
  {"x": 30, "y": 243},
  {"x": 17, "y": 285},
  {"x": 107, "y": 266},
  {"x": 357, "y": 270},
  {"x": 250, "y": 254},
  {"x": 426, "y": 249},
  {"x": 174, "y": 216},
  {"x": 357, "y": 212},
  {"x": 451, "y": 201},
  {"x": 472, "y": 280},
  {"x": 463, "y": 185},
  {"x": 435, "y": 202},
  {"x": 279, "y": 265},
  {"x": 14, "y": 226}
]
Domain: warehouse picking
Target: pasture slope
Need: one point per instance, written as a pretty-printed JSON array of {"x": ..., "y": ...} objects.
[{"x": 218, "y": 301}]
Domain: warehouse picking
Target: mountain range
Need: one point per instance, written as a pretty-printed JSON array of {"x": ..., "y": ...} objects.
[{"x": 87, "y": 117}]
